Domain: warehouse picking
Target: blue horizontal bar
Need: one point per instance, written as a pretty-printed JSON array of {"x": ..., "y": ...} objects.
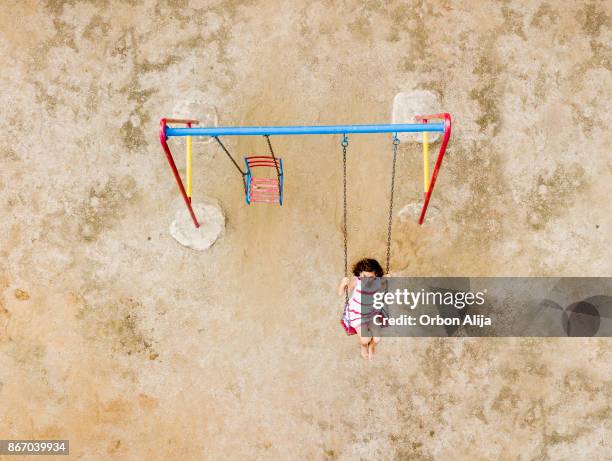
[{"x": 293, "y": 130}]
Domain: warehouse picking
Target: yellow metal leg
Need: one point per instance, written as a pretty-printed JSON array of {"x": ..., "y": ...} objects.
[
  {"x": 425, "y": 161},
  {"x": 188, "y": 171}
]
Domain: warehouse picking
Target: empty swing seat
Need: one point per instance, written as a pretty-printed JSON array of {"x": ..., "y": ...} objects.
[{"x": 264, "y": 190}]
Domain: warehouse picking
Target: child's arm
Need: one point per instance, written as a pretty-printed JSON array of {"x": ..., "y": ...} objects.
[
  {"x": 343, "y": 286},
  {"x": 346, "y": 285},
  {"x": 385, "y": 282}
]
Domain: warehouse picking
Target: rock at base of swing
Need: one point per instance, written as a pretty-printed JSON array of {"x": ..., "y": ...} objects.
[
  {"x": 410, "y": 103},
  {"x": 412, "y": 211},
  {"x": 212, "y": 225}
]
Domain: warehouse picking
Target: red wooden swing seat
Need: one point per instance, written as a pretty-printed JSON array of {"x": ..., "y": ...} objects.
[{"x": 264, "y": 190}]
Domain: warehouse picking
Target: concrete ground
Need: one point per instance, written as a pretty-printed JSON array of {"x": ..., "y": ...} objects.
[{"x": 116, "y": 337}]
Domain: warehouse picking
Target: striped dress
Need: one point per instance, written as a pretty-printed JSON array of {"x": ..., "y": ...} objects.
[{"x": 359, "y": 310}]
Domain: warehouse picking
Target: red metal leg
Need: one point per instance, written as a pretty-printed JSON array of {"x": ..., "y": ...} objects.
[
  {"x": 432, "y": 183},
  {"x": 177, "y": 176}
]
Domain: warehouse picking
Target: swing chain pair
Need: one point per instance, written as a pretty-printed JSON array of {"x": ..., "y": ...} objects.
[
  {"x": 396, "y": 143},
  {"x": 344, "y": 144}
]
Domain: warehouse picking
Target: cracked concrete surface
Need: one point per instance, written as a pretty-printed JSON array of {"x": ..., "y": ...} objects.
[{"x": 114, "y": 336}]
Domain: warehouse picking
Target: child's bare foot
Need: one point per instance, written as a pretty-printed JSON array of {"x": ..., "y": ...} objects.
[
  {"x": 365, "y": 351},
  {"x": 372, "y": 348},
  {"x": 371, "y": 351}
]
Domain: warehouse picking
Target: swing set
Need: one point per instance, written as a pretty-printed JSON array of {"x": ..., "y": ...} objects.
[{"x": 261, "y": 189}]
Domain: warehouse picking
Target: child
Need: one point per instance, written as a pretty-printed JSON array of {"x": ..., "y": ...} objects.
[{"x": 358, "y": 316}]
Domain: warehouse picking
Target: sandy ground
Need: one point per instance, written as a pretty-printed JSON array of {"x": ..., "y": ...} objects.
[{"x": 114, "y": 336}]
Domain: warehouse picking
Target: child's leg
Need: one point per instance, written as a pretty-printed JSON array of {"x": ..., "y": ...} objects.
[
  {"x": 363, "y": 341},
  {"x": 372, "y": 347}
]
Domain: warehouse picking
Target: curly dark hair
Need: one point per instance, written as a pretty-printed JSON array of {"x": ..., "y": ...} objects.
[{"x": 367, "y": 265}]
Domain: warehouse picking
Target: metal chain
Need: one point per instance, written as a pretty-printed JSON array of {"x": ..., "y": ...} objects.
[
  {"x": 396, "y": 142},
  {"x": 230, "y": 156},
  {"x": 267, "y": 136},
  {"x": 344, "y": 144}
]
